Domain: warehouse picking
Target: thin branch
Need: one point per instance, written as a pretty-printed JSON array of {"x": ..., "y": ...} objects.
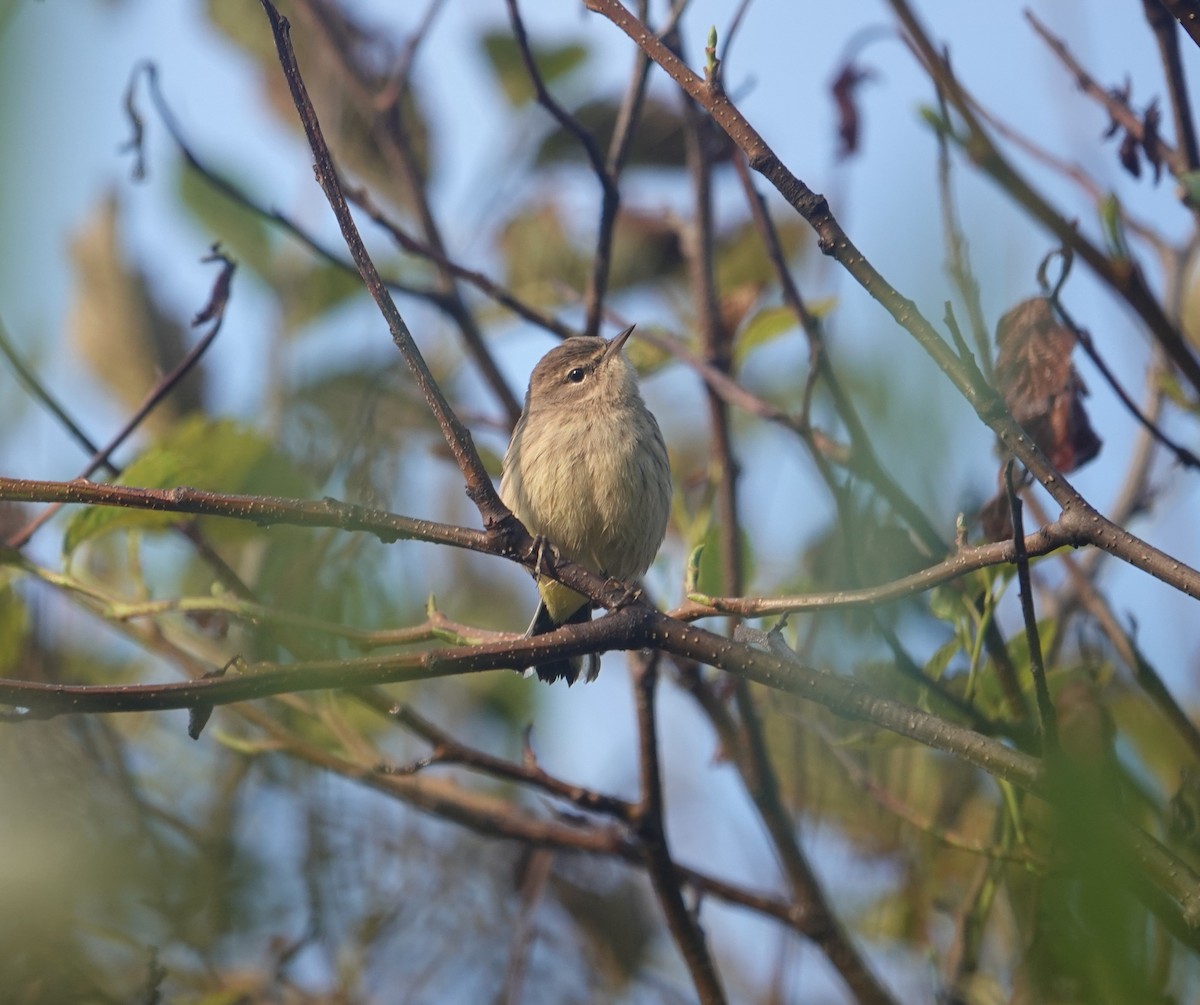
[
  {"x": 1166, "y": 33},
  {"x": 494, "y": 817},
  {"x": 262, "y": 510},
  {"x": 966, "y": 560},
  {"x": 684, "y": 927},
  {"x": 398, "y": 84},
  {"x": 1113, "y": 103},
  {"x": 396, "y": 144},
  {"x": 1081, "y": 518},
  {"x": 448, "y": 750},
  {"x": 436, "y": 627},
  {"x": 489, "y": 288},
  {"x": 228, "y": 188},
  {"x": 29, "y": 380},
  {"x": 213, "y": 312},
  {"x": 959, "y": 259},
  {"x": 628, "y": 115},
  {"x": 1047, "y": 720},
  {"x": 458, "y": 438}
]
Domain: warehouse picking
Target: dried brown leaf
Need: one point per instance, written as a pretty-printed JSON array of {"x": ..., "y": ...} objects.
[
  {"x": 844, "y": 90},
  {"x": 1041, "y": 386}
]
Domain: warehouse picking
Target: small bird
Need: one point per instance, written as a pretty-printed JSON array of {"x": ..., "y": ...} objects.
[{"x": 587, "y": 469}]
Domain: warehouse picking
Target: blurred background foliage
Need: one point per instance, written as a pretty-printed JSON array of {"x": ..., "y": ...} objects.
[{"x": 253, "y": 865}]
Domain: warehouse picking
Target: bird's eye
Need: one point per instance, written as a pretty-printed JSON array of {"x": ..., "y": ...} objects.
[{"x": 576, "y": 376}]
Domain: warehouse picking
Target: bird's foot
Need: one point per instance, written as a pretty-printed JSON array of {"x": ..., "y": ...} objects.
[
  {"x": 629, "y": 596},
  {"x": 541, "y": 545}
]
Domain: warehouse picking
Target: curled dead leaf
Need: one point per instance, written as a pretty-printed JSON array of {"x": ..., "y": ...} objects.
[{"x": 1041, "y": 386}]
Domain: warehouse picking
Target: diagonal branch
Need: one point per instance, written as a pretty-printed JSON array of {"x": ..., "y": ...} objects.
[
  {"x": 458, "y": 438},
  {"x": 1187, "y": 13},
  {"x": 1079, "y": 517}
]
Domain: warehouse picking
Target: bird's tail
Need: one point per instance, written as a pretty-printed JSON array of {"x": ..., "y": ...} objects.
[{"x": 568, "y": 668}]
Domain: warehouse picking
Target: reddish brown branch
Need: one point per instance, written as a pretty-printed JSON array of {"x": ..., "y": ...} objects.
[{"x": 1187, "y": 13}]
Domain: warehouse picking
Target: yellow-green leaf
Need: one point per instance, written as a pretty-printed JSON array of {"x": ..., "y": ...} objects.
[
  {"x": 218, "y": 456},
  {"x": 14, "y": 628},
  {"x": 766, "y": 326},
  {"x": 240, "y": 232},
  {"x": 552, "y": 61}
]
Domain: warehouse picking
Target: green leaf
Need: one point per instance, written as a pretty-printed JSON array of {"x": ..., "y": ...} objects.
[
  {"x": 708, "y": 576},
  {"x": 243, "y": 234},
  {"x": 741, "y": 258},
  {"x": 1113, "y": 223},
  {"x": 693, "y": 576},
  {"x": 539, "y": 257},
  {"x": 14, "y": 628},
  {"x": 657, "y": 140},
  {"x": 1189, "y": 187},
  {"x": 218, "y": 456},
  {"x": 936, "y": 667},
  {"x": 311, "y": 292},
  {"x": 552, "y": 61},
  {"x": 769, "y": 324},
  {"x": 938, "y": 122}
]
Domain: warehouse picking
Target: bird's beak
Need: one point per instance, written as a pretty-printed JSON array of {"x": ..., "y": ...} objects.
[{"x": 614, "y": 347}]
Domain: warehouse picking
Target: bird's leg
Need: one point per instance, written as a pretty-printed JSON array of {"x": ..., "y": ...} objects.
[{"x": 538, "y": 553}]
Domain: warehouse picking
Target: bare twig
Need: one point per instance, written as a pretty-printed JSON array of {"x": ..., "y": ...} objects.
[
  {"x": 213, "y": 312},
  {"x": 684, "y": 927},
  {"x": 396, "y": 144},
  {"x": 228, "y": 188},
  {"x": 1079, "y": 516},
  {"x": 1113, "y": 103},
  {"x": 262, "y": 510},
  {"x": 958, "y": 254},
  {"x": 1166, "y": 33},
  {"x": 610, "y": 194},
  {"x": 1046, "y": 716},
  {"x": 391, "y": 95},
  {"x": 34, "y": 386},
  {"x": 458, "y": 438}
]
